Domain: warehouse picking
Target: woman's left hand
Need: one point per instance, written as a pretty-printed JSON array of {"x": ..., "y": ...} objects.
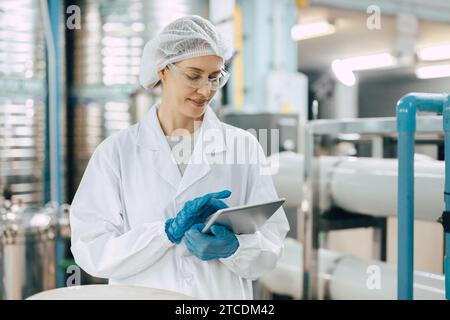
[{"x": 220, "y": 243}]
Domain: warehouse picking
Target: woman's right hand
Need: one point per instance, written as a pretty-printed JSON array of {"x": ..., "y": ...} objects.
[{"x": 194, "y": 211}]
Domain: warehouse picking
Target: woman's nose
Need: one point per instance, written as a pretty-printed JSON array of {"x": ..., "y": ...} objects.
[{"x": 205, "y": 90}]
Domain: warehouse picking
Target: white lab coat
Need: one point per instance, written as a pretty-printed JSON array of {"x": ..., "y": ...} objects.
[{"x": 131, "y": 186}]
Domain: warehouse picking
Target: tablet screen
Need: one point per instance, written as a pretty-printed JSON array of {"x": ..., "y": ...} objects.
[{"x": 244, "y": 219}]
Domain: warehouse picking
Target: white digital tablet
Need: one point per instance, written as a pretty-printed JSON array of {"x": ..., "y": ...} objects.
[{"x": 244, "y": 219}]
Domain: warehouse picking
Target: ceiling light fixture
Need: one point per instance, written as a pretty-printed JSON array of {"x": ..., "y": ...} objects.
[
  {"x": 434, "y": 53},
  {"x": 310, "y": 30},
  {"x": 436, "y": 71},
  {"x": 343, "y": 73},
  {"x": 373, "y": 61}
]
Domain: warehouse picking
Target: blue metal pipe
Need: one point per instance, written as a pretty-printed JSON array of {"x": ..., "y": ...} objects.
[
  {"x": 407, "y": 108},
  {"x": 406, "y": 126},
  {"x": 446, "y": 123},
  {"x": 427, "y": 102},
  {"x": 55, "y": 13},
  {"x": 406, "y": 215}
]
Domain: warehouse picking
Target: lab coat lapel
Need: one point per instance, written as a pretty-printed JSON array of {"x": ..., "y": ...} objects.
[
  {"x": 210, "y": 142},
  {"x": 152, "y": 138}
]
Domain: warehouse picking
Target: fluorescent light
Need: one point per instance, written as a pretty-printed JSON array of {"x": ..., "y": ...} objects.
[
  {"x": 350, "y": 136},
  {"x": 436, "y": 71},
  {"x": 343, "y": 73},
  {"x": 439, "y": 52},
  {"x": 373, "y": 61},
  {"x": 311, "y": 30}
]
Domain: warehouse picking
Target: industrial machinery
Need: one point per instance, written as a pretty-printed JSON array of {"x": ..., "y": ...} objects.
[
  {"x": 344, "y": 277},
  {"x": 341, "y": 192},
  {"x": 27, "y": 248}
]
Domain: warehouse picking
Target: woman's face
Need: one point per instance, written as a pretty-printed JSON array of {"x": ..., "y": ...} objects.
[{"x": 183, "y": 98}]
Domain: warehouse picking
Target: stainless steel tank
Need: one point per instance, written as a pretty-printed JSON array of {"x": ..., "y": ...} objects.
[
  {"x": 106, "y": 66},
  {"x": 21, "y": 39},
  {"x": 22, "y": 68},
  {"x": 27, "y": 251},
  {"x": 22, "y": 149}
]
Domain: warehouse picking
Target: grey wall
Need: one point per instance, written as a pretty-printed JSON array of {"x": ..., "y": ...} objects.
[{"x": 378, "y": 97}]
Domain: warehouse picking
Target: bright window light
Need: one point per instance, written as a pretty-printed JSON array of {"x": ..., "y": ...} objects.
[
  {"x": 311, "y": 30},
  {"x": 436, "y": 71},
  {"x": 343, "y": 73},
  {"x": 434, "y": 53},
  {"x": 373, "y": 61}
]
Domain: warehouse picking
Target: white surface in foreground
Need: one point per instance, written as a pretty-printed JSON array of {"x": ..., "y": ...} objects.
[{"x": 108, "y": 292}]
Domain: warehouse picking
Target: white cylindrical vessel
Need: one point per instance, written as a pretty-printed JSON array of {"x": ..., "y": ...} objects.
[
  {"x": 343, "y": 277},
  {"x": 288, "y": 179},
  {"x": 354, "y": 279},
  {"x": 369, "y": 186},
  {"x": 363, "y": 185}
]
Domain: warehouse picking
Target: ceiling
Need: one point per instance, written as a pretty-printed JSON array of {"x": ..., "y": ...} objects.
[{"x": 353, "y": 38}]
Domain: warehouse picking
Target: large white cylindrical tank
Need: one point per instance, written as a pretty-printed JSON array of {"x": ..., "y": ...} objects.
[
  {"x": 288, "y": 179},
  {"x": 343, "y": 277},
  {"x": 369, "y": 186},
  {"x": 355, "y": 279},
  {"x": 362, "y": 185}
]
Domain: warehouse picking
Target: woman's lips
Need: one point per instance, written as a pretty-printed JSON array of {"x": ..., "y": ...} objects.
[{"x": 198, "y": 103}]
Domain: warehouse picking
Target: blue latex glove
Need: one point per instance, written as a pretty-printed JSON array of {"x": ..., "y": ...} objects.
[
  {"x": 220, "y": 243},
  {"x": 209, "y": 208},
  {"x": 193, "y": 212}
]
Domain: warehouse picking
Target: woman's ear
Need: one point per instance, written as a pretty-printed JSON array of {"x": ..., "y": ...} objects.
[{"x": 162, "y": 74}]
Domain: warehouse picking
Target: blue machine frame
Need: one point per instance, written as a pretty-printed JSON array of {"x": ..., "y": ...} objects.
[{"x": 407, "y": 107}]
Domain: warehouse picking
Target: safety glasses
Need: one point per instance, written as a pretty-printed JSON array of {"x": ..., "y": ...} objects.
[{"x": 196, "y": 80}]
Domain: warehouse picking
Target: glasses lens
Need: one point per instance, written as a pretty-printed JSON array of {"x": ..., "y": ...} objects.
[
  {"x": 219, "y": 81},
  {"x": 197, "y": 81},
  {"x": 224, "y": 75}
]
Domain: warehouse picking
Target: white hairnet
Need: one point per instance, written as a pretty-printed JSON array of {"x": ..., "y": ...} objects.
[{"x": 187, "y": 37}]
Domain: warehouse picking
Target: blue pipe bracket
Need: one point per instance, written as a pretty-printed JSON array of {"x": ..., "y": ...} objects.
[{"x": 407, "y": 108}]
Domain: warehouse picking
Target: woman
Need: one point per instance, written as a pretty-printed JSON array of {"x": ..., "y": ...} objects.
[{"x": 137, "y": 214}]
